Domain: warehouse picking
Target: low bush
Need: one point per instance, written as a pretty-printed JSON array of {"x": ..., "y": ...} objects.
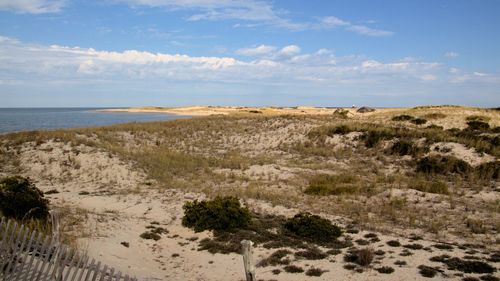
[
  {"x": 221, "y": 213},
  {"x": 466, "y": 266},
  {"x": 276, "y": 258},
  {"x": 149, "y": 235},
  {"x": 312, "y": 253},
  {"x": 489, "y": 278},
  {"x": 418, "y": 121},
  {"x": 313, "y": 227},
  {"x": 488, "y": 170},
  {"x": 361, "y": 257},
  {"x": 403, "y": 117},
  {"x": 21, "y": 199},
  {"x": 477, "y": 118},
  {"x": 407, "y": 147},
  {"x": 385, "y": 270},
  {"x": 293, "y": 269},
  {"x": 443, "y": 165},
  {"x": 427, "y": 271},
  {"x": 314, "y": 272},
  {"x": 394, "y": 243},
  {"x": 373, "y": 138},
  {"x": 477, "y": 125}
]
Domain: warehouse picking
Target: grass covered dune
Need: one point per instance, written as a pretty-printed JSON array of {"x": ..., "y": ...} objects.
[{"x": 425, "y": 177}]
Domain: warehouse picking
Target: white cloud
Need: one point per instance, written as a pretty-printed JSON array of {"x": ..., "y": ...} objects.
[
  {"x": 365, "y": 30},
  {"x": 451, "y": 55},
  {"x": 428, "y": 77},
  {"x": 480, "y": 74},
  {"x": 257, "y": 51},
  {"x": 334, "y": 22},
  {"x": 261, "y": 12},
  {"x": 32, "y": 6},
  {"x": 290, "y": 50},
  {"x": 30, "y": 62}
]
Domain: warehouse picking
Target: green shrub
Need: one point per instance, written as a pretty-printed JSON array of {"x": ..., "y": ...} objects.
[
  {"x": 466, "y": 266},
  {"x": 340, "y": 130},
  {"x": 434, "y": 127},
  {"x": 293, "y": 269},
  {"x": 443, "y": 165},
  {"x": 488, "y": 170},
  {"x": 418, "y": 121},
  {"x": 21, "y": 199},
  {"x": 477, "y": 125},
  {"x": 221, "y": 213},
  {"x": 403, "y": 117},
  {"x": 477, "y": 118},
  {"x": 385, "y": 269},
  {"x": 372, "y": 138},
  {"x": 361, "y": 257},
  {"x": 313, "y": 227},
  {"x": 406, "y": 147},
  {"x": 427, "y": 271},
  {"x": 314, "y": 272}
]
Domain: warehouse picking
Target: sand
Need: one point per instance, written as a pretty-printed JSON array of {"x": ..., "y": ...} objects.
[
  {"x": 106, "y": 201},
  {"x": 115, "y": 203}
]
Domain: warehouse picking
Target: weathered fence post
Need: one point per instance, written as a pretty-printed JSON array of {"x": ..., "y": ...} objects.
[{"x": 248, "y": 260}]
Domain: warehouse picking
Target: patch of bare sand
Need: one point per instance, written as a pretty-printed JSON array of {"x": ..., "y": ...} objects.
[{"x": 460, "y": 151}]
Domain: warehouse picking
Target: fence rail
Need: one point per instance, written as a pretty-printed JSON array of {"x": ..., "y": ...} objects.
[{"x": 30, "y": 255}]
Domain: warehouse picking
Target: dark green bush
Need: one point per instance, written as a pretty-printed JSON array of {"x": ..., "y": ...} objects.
[
  {"x": 443, "y": 165},
  {"x": 314, "y": 272},
  {"x": 293, "y": 269},
  {"x": 489, "y": 170},
  {"x": 406, "y": 147},
  {"x": 418, "y": 121},
  {"x": 313, "y": 227},
  {"x": 362, "y": 257},
  {"x": 427, "y": 271},
  {"x": 385, "y": 269},
  {"x": 403, "y": 117},
  {"x": 340, "y": 130},
  {"x": 477, "y": 125},
  {"x": 466, "y": 266},
  {"x": 434, "y": 127},
  {"x": 21, "y": 199},
  {"x": 477, "y": 118},
  {"x": 221, "y": 213}
]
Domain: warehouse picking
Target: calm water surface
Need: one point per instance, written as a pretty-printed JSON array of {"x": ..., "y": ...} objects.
[{"x": 27, "y": 119}]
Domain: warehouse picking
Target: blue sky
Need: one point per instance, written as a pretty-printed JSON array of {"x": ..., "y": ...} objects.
[{"x": 254, "y": 52}]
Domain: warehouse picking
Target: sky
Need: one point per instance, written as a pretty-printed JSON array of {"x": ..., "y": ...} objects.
[{"x": 381, "y": 53}]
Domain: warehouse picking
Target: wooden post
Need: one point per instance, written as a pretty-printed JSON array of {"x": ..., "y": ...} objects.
[{"x": 248, "y": 260}]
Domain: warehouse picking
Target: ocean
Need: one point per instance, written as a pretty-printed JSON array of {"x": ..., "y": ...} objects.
[{"x": 29, "y": 119}]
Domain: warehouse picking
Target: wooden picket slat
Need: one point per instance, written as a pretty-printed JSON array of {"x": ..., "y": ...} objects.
[{"x": 29, "y": 255}]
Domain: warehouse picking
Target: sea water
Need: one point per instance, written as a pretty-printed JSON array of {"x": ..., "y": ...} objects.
[{"x": 28, "y": 119}]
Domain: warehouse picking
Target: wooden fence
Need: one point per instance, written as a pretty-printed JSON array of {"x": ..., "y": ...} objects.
[{"x": 28, "y": 255}]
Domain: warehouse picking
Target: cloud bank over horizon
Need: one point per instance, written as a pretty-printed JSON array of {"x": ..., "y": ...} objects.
[{"x": 25, "y": 63}]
